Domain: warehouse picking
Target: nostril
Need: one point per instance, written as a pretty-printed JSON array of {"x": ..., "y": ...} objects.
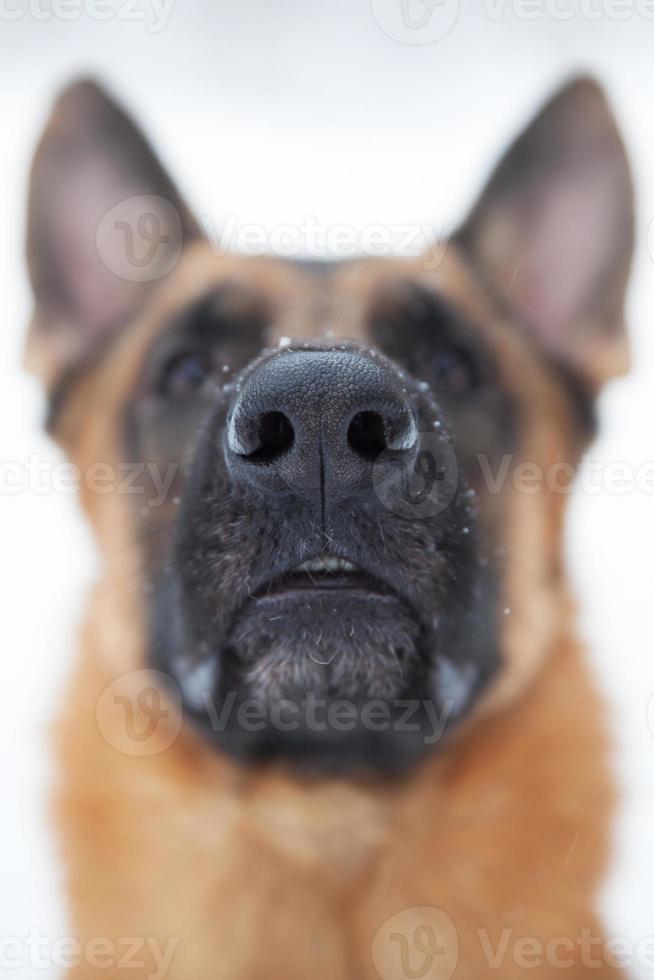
[
  {"x": 274, "y": 438},
  {"x": 366, "y": 435}
]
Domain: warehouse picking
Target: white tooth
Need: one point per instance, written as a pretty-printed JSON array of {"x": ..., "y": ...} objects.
[
  {"x": 326, "y": 563},
  {"x": 337, "y": 565}
]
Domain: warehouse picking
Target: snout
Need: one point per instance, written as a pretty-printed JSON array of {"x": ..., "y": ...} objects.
[
  {"x": 315, "y": 557},
  {"x": 313, "y": 422}
]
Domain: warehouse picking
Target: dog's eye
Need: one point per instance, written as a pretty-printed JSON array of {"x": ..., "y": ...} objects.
[
  {"x": 452, "y": 369},
  {"x": 185, "y": 373}
]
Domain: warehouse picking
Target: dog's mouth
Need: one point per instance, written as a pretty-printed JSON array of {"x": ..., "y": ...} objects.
[
  {"x": 341, "y": 628},
  {"x": 324, "y": 573},
  {"x": 326, "y": 626}
]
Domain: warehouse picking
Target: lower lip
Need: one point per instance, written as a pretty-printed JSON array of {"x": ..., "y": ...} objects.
[
  {"x": 303, "y": 587},
  {"x": 305, "y": 594}
]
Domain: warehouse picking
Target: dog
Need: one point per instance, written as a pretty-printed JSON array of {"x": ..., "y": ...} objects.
[{"x": 329, "y": 718}]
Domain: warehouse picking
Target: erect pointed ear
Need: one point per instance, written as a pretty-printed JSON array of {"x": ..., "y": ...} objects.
[
  {"x": 105, "y": 223},
  {"x": 553, "y": 231}
]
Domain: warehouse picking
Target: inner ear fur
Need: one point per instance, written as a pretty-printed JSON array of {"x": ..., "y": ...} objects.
[
  {"x": 553, "y": 232},
  {"x": 99, "y": 199}
]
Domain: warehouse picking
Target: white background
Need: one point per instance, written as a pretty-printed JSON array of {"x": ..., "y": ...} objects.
[{"x": 272, "y": 111}]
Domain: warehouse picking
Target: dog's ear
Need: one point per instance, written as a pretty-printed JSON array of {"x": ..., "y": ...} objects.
[
  {"x": 553, "y": 231},
  {"x": 105, "y": 223}
]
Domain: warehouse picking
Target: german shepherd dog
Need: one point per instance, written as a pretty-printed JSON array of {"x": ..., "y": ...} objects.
[{"x": 329, "y": 719}]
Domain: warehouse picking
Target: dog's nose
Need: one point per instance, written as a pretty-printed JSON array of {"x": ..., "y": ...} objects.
[{"x": 313, "y": 422}]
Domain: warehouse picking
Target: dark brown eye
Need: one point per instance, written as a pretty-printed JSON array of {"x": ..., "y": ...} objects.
[
  {"x": 452, "y": 369},
  {"x": 185, "y": 374}
]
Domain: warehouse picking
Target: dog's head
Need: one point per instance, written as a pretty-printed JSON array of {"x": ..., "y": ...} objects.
[{"x": 333, "y": 490}]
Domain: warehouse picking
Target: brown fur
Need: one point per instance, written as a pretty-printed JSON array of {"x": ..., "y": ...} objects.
[{"x": 266, "y": 875}]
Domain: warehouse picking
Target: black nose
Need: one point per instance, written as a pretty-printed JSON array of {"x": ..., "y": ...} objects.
[{"x": 313, "y": 422}]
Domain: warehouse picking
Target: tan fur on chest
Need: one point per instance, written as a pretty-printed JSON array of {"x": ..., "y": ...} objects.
[{"x": 267, "y": 875}]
